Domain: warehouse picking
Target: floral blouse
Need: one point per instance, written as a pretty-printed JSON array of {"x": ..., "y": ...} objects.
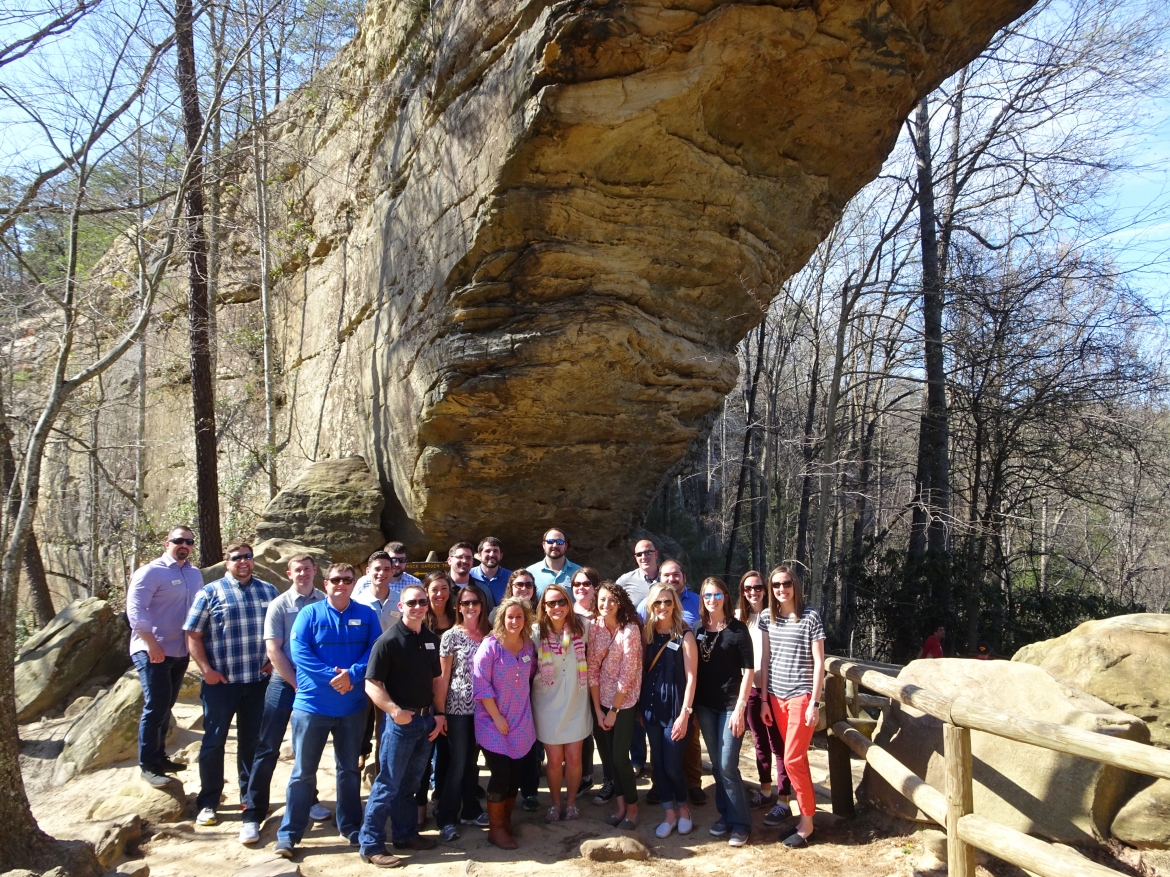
[
  {"x": 615, "y": 662},
  {"x": 458, "y": 643}
]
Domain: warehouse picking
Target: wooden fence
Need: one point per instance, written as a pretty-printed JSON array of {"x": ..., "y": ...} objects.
[{"x": 953, "y": 807}]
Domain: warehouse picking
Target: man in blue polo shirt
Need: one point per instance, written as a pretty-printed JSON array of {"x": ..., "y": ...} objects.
[
  {"x": 490, "y": 576},
  {"x": 555, "y": 569},
  {"x": 331, "y": 642}
]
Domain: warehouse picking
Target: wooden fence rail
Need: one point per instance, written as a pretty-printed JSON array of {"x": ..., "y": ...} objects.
[{"x": 953, "y": 808}]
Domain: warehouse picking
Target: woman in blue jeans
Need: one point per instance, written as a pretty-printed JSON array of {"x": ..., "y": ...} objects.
[
  {"x": 668, "y": 692},
  {"x": 726, "y": 669}
]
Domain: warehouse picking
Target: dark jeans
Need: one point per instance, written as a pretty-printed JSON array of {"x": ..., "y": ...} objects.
[
  {"x": 731, "y": 799},
  {"x": 614, "y": 748},
  {"x": 666, "y": 756},
  {"x": 160, "y": 689},
  {"x": 278, "y": 706},
  {"x": 310, "y": 732},
  {"x": 245, "y": 702},
  {"x": 638, "y": 746},
  {"x": 504, "y": 781},
  {"x": 530, "y": 770},
  {"x": 457, "y": 798},
  {"x": 437, "y": 768},
  {"x": 403, "y": 754},
  {"x": 769, "y": 742}
]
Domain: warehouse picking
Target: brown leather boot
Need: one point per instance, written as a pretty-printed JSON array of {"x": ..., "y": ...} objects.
[
  {"x": 509, "y": 803},
  {"x": 498, "y": 832}
]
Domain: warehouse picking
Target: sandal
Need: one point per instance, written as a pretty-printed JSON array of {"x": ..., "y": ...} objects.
[
  {"x": 572, "y": 813},
  {"x": 553, "y": 814}
]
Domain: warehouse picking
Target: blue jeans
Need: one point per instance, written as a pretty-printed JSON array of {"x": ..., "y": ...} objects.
[
  {"x": 457, "y": 798},
  {"x": 160, "y": 689},
  {"x": 244, "y": 701},
  {"x": 731, "y": 799},
  {"x": 666, "y": 756},
  {"x": 278, "y": 704},
  {"x": 638, "y": 747},
  {"x": 403, "y": 755},
  {"x": 309, "y": 734}
]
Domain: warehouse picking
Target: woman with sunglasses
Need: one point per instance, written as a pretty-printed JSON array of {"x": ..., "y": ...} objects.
[
  {"x": 457, "y": 794},
  {"x": 560, "y": 696},
  {"x": 440, "y": 618},
  {"x": 668, "y": 695},
  {"x": 615, "y": 681},
  {"x": 521, "y": 583},
  {"x": 585, "y": 582},
  {"x": 504, "y": 665},
  {"x": 726, "y": 669},
  {"x": 754, "y": 601},
  {"x": 794, "y": 670}
]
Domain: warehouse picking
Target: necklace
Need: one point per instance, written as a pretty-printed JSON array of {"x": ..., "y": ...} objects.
[{"x": 708, "y": 645}]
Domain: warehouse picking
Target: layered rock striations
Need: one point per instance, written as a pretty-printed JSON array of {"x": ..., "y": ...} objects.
[{"x": 522, "y": 239}]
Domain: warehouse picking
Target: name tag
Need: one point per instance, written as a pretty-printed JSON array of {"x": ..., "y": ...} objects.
[
  {"x": 292, "y": 611},
  {"x": 430, "y": 646},
  {"x": 178, "y": 582},
  {"x": 357, "y": 622},
  {"x": 673, "y": 646},
  {"x": 525, "y": 658},
  {"x": 701, "y": 637},
  {"x": 264, "y": 603}
]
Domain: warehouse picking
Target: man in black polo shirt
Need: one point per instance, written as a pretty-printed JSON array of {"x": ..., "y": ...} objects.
[{"x": 402, "y": 680}]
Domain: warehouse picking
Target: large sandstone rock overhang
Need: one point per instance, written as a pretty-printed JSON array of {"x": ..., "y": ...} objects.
[{"x": 526, "y": 237}]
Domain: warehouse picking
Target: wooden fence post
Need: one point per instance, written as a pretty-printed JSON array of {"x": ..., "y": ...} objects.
[
  {"x": 960, "y": 799},
  {"x": 851, "y": 705},
  {"x": 840, "y": 772}
]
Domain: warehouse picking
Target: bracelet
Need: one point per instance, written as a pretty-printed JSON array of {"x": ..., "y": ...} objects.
[{"x": 740, "y": 703}]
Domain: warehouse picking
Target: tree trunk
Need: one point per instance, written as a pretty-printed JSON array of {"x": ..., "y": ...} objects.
[
  {"x": 744, "y": 460},
  {"x": 198, "y": 304}
]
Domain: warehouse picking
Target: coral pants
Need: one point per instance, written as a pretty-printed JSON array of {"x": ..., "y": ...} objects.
[{"x": 789, "y": 717}]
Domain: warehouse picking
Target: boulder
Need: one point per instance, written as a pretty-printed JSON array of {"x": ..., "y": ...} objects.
[
  {"x": 1034, "y": 790},
  {"x": 531, "y": 235},
  {"x": 271, "y": 558},
  {"x": 270, "y": 866},
  {"x": 1144, "y": 820},
  {"x": 107, "y": 732},
  {"x": 133, "y": 868},
  {"x": 110, "y": 837},
  {"x": 153, "y": 805},
  {"x": 336, "y": 504},
  {"x": 615, "y": 849},
  {"x": 1125, "y": 661},
  {"x": 86, "y": 638}
]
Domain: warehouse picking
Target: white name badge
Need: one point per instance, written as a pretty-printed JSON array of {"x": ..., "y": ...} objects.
[
  {"x": 292, "y": 611},
  {"x": 701, "y": 637},
  {"x": 673, "y": 646},
  {"x": 178, "y": 582},
  {"x": 430, "y": 646},
  {"x": 357, "y": 622},
  {"x": 526, "y": 658}
]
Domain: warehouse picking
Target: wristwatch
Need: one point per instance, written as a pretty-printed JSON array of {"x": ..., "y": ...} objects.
[
  {"x": 688, "y": 709},
  {"x": 819, "y": 704}
]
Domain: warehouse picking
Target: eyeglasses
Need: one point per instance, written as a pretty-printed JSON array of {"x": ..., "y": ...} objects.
[
  {"x": 181, "y": 541},
  {"x": 470, "y": 602},
  {"x": 554, "y": 541},
  {"x": 556, "y": 604},
  {"x": 716, "y": 596},
  {"x": 645, "y": 553},
  {"x": 753, "y": 587},
  {"x": 660, "y": 603},
  {"x": 398, "y": 561},
  {"x": 238, "y": 557},
  {"x": 341, "y": 580},
  {"x": 415, "y": 604},
  {"x": 461, "y": 558}
]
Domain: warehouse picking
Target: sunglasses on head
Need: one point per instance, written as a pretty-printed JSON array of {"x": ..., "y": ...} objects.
[
  {"x": 341, "y": 580},
  {"x": 238, "y": 557},
  {"x": 415, "y": 604},
  {"x": 181, "y": 541}
]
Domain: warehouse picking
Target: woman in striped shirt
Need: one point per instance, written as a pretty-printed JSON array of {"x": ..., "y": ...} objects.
[{"x": 794, "y": 668}]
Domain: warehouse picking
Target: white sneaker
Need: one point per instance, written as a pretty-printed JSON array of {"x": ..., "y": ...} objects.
[
  {"x": 664, "y": 830},
  {"x": 249, "y": 833},
  {"x": 685, "y": 826},
  {"x": 206, "y": 817},
  {"x": 319, "y": 814}
]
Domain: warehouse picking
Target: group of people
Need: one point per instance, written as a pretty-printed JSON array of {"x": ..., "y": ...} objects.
[{"x": 547, "y": 662}]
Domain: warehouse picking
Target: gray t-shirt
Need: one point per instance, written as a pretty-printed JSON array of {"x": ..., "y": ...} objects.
[
  {"x": 637, "y": 584},
  {"x": 387, "y": 609},
  {"x": 790, "y": 668},
  {"x": 282, "y": 612}
]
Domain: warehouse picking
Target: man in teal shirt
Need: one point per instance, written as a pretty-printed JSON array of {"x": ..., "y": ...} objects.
[{"x": 555, "y": 569}]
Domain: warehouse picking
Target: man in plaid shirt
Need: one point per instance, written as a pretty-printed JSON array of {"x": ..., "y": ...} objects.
[{"x": 225, "y": 635}]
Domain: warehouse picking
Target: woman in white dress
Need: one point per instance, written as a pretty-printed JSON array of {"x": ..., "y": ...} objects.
[{"x": 560, "y": 696}]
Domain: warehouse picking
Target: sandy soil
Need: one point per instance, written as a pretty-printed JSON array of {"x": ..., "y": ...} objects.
[{"x": 870, "y": 844}]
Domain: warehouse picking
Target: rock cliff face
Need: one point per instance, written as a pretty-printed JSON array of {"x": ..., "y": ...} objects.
[{"x": 524, "y": 237}]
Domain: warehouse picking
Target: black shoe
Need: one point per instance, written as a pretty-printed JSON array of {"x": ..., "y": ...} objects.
[
  {"x": 698, "y": 796},
  {"x": 639, "y": 771},
  {"x": 585, "y": 785},
  {"x": 652, "y": 797},
  {"x": 418, "y": 842},
  {"x": 606, "y": 794},
  {"x": 168, "y": 766},
  {"x": 529, "y": 803},
  {"x": 156, "y": 778}
]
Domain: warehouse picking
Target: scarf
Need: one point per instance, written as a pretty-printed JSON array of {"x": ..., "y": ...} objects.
[{"x": 550, "y": 646}]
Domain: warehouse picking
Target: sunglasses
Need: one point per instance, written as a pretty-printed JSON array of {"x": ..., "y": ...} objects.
[
  {"x": 416, "y": 604},
  {"x": 523, "y": 586},
  {"x": 554, "y": 541},
  {"x": 753, "y": 587},
  {"x": 470, "y": 602},
  {"x": 181, "y": 541},
  {"x": 659, "y": 603},
  {"x": 781, "y": 584},
  {"x": 716, "y": 596},
  {"x": 582, "y": 584},
  {"x": 398, "y": 561},
  {"x": 556, "y": 604},
  {"x": 645, "y": 553},
  {"x": 238, "y": 557},
  {"x": 341, "y": 580}
]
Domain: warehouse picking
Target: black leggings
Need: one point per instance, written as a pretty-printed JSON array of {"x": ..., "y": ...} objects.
[
  {"x": 614, "y": 748},
  {"x": 504, "y": 781}
]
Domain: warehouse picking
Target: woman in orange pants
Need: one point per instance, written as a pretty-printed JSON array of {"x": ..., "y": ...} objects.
[{"x": 794, "y": 669}]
